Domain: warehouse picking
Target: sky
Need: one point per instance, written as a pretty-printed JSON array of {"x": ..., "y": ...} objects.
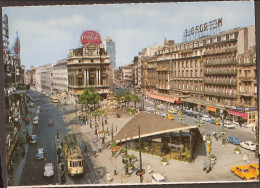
[{"x": 47, "y": 33}]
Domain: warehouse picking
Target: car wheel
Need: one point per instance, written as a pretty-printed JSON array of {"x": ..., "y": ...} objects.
[
  {"x": 244, "y": 178},
  {"x": 232, "y": 172}
]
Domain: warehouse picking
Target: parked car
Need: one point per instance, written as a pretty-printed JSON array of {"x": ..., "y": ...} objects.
[
  {"x": 243, "y": 172},
  {"x": 248, "y": 145},
  {"x": 160, "y": 107},
  {"x": 170, "y": 116},
  {"x": 233, "y": 140},
  {"x": 33, "y": 139},
  {"x": 50, "y": 123},
  {"x": 189, "y": 113},
  {"x": 229, "y": 125},
  {"x": 35, "y": 120},
  {"x": 254, "y": 168},
  {"x": 40, "y": 154},
  {"x": 173, "y": 111},
  {"x": 48, "y": 170},
  {"x": 158, "y": 178},
  {"x": 162, "y": 114},
  {"x": 212, "y": 120},
  {"x": 197, "y": 120},
  {"x": 206, "y": 118},
  {"x": 150, "y": 109}
]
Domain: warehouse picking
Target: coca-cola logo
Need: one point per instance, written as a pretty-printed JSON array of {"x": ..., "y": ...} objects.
[{"x": 90, "y": 37}]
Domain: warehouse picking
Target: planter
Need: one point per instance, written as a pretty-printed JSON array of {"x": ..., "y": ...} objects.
[
  {"x": 164, "y": 163},
  {"x": 212, "y": 159},
  {"x": 237, "y": 152},
  {"x": 208, "y": 141}
]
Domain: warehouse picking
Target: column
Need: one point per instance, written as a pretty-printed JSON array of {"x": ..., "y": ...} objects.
[
  {"x": 96, "y": 77},
  {"x": 85, "y": 78},
  {"x": 99, "y": 77}
]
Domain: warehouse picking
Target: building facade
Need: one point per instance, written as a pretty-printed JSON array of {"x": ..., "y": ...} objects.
[
  {"x": 43, "y": 75},
  {"x": 60, "y": 76},
  {"x": 88, "y": 65},
  {"x": 217, "y": 72},
  {"x": 110, "y": 47}
]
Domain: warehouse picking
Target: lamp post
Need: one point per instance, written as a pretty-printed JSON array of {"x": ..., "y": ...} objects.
[
  {"x": 103, "y": 138},
  {"x": 140, "y": 155},
  {"x": 223, "y": 114},
  {"x": 126, "y": 160}
]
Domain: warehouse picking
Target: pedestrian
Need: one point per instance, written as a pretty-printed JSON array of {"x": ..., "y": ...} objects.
[{"x": 245, "y": 157}]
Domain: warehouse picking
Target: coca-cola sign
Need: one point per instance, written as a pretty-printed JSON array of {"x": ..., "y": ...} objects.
[{"x": 90, "y": 37}]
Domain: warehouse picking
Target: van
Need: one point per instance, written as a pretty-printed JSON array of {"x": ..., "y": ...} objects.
[{"x": 158, "y": 178}]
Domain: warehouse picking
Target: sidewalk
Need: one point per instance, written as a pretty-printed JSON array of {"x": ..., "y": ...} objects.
[
  {"x": 176, "y": 171},
  {"x": 20, "y": 160}
]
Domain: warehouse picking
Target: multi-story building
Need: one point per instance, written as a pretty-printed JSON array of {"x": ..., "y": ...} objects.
[
  {"x": 110, "y": 47},
  {"x": 88, "y": 65},
  {"x": 43, "y": 77},
  {"x": 209, "y": 72},
  {"x": 30, "y": 77},
  {"x": 60, "y": 76},
  {"x": 14, "y": 93},
  {"x": 127, "y": 73}
]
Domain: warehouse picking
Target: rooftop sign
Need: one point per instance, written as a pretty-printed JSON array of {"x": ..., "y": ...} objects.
[{"x": 90, "y": 37}]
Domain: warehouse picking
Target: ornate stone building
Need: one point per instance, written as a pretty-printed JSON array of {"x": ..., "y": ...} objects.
[{"x": 88, "y": 65}]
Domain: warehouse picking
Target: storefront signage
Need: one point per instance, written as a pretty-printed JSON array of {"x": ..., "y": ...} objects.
[
  {"x": 240, "y": 108},
  {"x": 252, "y": 109},
  {"x": 90, "y": 37},
  {"x": 157, "y": 140},
  {"x": 230, "y": 107},
  {"x": 174, "y": 145},
  {"x": 204, "y": 27},
  {"x": 211, "y": 109}
]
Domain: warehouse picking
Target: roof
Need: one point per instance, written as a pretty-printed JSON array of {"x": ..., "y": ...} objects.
[{"x": 150, "y": 124}]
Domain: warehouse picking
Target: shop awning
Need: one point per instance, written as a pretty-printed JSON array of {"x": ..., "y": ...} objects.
[
  {"x": 244, "y": 115},
  {"x": 163, "y": 98},
  {"x": 211, "y": 109}
]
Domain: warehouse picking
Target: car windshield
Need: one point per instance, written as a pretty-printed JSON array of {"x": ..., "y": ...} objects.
[{"x": 34, "y": 137}]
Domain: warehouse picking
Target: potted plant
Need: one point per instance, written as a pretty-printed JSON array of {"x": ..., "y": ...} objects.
[
  {"x": 208, "y": 140},
  {"x": 212, "y": 157},
  {"x": 164, "y": 161},
  {"x": 237, "y": 150},
  {"x": 130, "y": 166}
]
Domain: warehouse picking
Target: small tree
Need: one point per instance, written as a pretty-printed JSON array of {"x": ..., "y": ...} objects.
[
  {"x": 127, "y": 97},
  {"x": 135, "y": 99}
]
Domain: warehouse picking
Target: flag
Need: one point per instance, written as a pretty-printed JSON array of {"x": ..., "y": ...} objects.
[{"x": 17, "y": 46}]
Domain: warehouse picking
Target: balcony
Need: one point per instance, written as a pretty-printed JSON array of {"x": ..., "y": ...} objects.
[
  {"x": 216, "y": 63},
  {"x": 220, "y": 94},
  {"x": 226, "y": 83},
  {"x": 247, "y": 78},
  {"x": 242, "y": 64},
  {"x": 246, "y": 94},
  {"x": 222, "y": 51},
  {"x": 161, "y": 69},
  {"x": 221, "y": 72}
]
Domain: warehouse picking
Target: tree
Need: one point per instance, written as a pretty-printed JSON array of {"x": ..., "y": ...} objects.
[
  {"x": 118, "y": 96},
  {"x": 135, "y": 99},
  {"x": 127, "y": 97},
  {"x": 94, "y": 97},
  {"x": 84, "y": 97}
]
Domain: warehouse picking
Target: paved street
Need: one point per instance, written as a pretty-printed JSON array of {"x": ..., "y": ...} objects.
[{"x": 95, "y": 168}]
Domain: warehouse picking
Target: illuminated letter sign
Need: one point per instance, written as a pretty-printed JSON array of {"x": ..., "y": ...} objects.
[{"x": 90, "y": 37}]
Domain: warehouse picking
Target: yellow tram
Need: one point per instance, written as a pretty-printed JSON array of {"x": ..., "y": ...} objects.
[{"x": 73, "y": 155}]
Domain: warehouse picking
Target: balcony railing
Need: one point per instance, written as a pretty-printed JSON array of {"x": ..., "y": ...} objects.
[
  {"x": 220, "y": 94},
  {"x": 220, "y": 72},
  {"x": 246, "y": 64},
  {"x": 214, "y": 82},
  {"x": 247, "y": 78},
  {"x": 217, "y": 63},
  {"x": 222, "y": 51}
]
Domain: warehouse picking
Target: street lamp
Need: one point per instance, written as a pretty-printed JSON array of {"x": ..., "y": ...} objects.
[
  {"x": 223, "y": 114},
  {"x": 126, "y": 160}
]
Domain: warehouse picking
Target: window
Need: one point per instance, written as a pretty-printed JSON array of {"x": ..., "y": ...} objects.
[
  {"x": 232, "y": 36},
  {"x": 215, "y": 40},
  {"x": 196, "y": 44},
  {"x": 223, "y": 38},
  {"x": 80, "y": 80},
  {"x": 208, "y": 41}
]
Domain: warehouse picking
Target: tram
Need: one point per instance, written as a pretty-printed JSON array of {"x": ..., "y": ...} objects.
[{"x": 73, "y": 155}]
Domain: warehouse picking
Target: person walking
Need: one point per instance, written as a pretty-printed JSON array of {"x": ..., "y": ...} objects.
[{"x": 245, "y": 158}]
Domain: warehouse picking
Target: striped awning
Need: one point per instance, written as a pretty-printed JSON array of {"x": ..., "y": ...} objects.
[
  {"x": 164, "y": 98},
  {"x": 244, "y": 115}
]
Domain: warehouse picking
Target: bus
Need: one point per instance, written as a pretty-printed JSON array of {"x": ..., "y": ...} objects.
[
  {"x": 73, "y": 155},
  {"x": 54, "y": 99}
]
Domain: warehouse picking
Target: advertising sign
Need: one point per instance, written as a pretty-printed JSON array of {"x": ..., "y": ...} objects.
[
  {"x": 174, "y": 145},
  {"x": 90, "y": 37},
  {"x": 140, "y": 172}
]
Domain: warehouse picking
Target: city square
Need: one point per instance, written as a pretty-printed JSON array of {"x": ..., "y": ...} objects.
[{"x": 184, "y": 111}]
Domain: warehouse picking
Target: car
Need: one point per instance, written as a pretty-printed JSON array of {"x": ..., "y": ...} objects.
[
  {"x": 248, "y": 145},
  {"x": 160, "y": 107},
  {"x": 199, "y": 121},
  {"x": 162, "y": 114},
  {"x": 158, "y": 178},
  {"x": 212, "y": 121},
  {"x": 150, "y": 109},
  {"x": 40, "y": 154},
  {"x": 206, "y": 118},
  {"x": 33, "y": 139},
  {"x": 233, "y": 140},
  {"x": 173, "y": 111},
  {"x": 243, "y": 172},
  {"x": 254, "y": 168},
  {"x": 170, "y": 116},
  {"x": 189, "y": 113},
  {"x": 48, "y": 170},
  {"x": 35, "y": 120},
  {"x": 50, "y": 123},
  {"x": 229, "y": 125}
]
